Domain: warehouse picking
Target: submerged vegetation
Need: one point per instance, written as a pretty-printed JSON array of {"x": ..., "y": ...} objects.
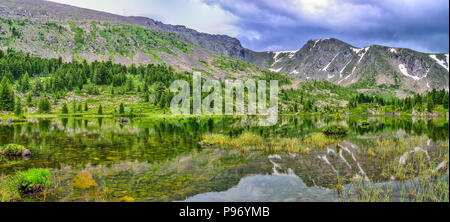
[{"x": 251, "y": 142}]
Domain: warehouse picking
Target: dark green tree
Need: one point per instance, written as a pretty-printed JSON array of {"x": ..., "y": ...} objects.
[
  {"x": 74, "y": 106},
  {"x": 430, "y": 104},
  {"x": 29, "y": 100},
  {"x": 18, "y": 108},
  {"x": 100, "y": 110},
  {"x": 121, "y": 108},
  {"x": 445, "y": 101},
  {"x": 44, "y": 105},
  {"x": 6, "y": 95},
  {"x": 64, "y": 109}
]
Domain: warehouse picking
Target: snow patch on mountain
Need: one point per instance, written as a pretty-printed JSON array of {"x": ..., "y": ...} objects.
[
  {"x": 404, "y": 71},
  {"x": 441, "y": 62},
  {"x": 357, "y": 50},
  {"x": 315, "y": 43},
  {"x": 365, "y": 50},
  {"x": 276, "y": 70},
  {"x": 277, "y": 57},
  {"x": 342, "y": 70},
  {"x": 326, "y": 67}
]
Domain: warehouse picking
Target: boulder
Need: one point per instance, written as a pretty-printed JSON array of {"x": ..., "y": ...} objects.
[{"x": 26, "y": 152}]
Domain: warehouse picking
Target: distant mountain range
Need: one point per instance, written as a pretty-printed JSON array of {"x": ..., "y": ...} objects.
[{"x": 50, "y": 30}]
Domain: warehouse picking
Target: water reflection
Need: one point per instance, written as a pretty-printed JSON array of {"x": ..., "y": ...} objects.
[{"x": 166, "y": 164}]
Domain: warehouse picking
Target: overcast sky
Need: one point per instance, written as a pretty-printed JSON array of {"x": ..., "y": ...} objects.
[{"x": 273, "y": 25}]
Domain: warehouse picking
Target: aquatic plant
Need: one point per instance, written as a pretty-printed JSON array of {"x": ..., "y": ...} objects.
[
  {"x": 84, "y": 180},
  {"x": 319, "y": 140},
  {"x": 248, "y": 142},
  {"x": 33, "y": 177},
  {"x": 31, "y": 181}
]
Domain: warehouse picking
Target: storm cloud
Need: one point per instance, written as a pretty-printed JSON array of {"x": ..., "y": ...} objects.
[{"x": 288, "y": 24}]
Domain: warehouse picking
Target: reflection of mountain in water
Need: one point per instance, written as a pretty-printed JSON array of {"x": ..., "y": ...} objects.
[
  {"x": 277, "y": 187},
  {"x": 314, "y": 177}
]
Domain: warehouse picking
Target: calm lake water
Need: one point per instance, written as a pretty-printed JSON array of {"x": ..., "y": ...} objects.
[{"x": 159, "y": 159}]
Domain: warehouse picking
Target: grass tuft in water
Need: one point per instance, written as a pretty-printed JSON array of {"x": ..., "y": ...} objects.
[{"x": 24, "y": 182}]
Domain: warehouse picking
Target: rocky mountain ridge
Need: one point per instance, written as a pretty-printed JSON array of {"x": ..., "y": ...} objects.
[{"x": 343, "y": 64}]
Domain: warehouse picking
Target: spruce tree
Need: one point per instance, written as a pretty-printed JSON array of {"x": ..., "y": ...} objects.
[
  {"x": 430, "y": 104},
  {"x": 29, "y": 99},
  {"x": 44, "y": 105},
  {"x": 64, "y": 109},
  {"x": 445, "y": 101},
  {"x": 6, "y": 95},
  {"x": 74, "y": 106},
  {"x": 121, "y": 108},
  {"x": 18, "y": 108},
  {"x": 100, "y": 110}
]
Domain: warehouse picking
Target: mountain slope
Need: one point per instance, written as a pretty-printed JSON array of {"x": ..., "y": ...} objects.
[
  {"x": 39, "y": 10},
  {"x": 50, "y": 30},
  {"x": 373, "y": 66}
]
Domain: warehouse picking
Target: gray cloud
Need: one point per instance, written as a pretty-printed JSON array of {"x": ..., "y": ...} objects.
[{"x": 287, "y": 24}]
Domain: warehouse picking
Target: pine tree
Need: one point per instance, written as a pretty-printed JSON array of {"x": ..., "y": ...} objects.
[
  {"x": 29, "y": 100},
  {"x": 121, "y": 108},
  {"x": 6, "y": 95},
  {"x": 18, "y": 108},
  {"x": 130, "y": 85},
  {"x": 430, "y": 104},
  {"x": 445, "y": 101},
  {"x": 74, "y": 106},
  {"x": 64, "y": 109},
  {"x": 100, "y": 110},
  {"x": 44, "y": 105}
]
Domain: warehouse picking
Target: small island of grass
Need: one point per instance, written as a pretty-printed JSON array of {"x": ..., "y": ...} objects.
[
  {"x": 14, "y": 150},
  {"x": 30, "y": 182},
  {"x": 335, "y": 130}
]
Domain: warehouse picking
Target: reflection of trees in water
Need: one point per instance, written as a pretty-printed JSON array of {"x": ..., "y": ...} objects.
[
  {"x": 190, "y": 130},
  {"x": 436, "y": 130}
]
